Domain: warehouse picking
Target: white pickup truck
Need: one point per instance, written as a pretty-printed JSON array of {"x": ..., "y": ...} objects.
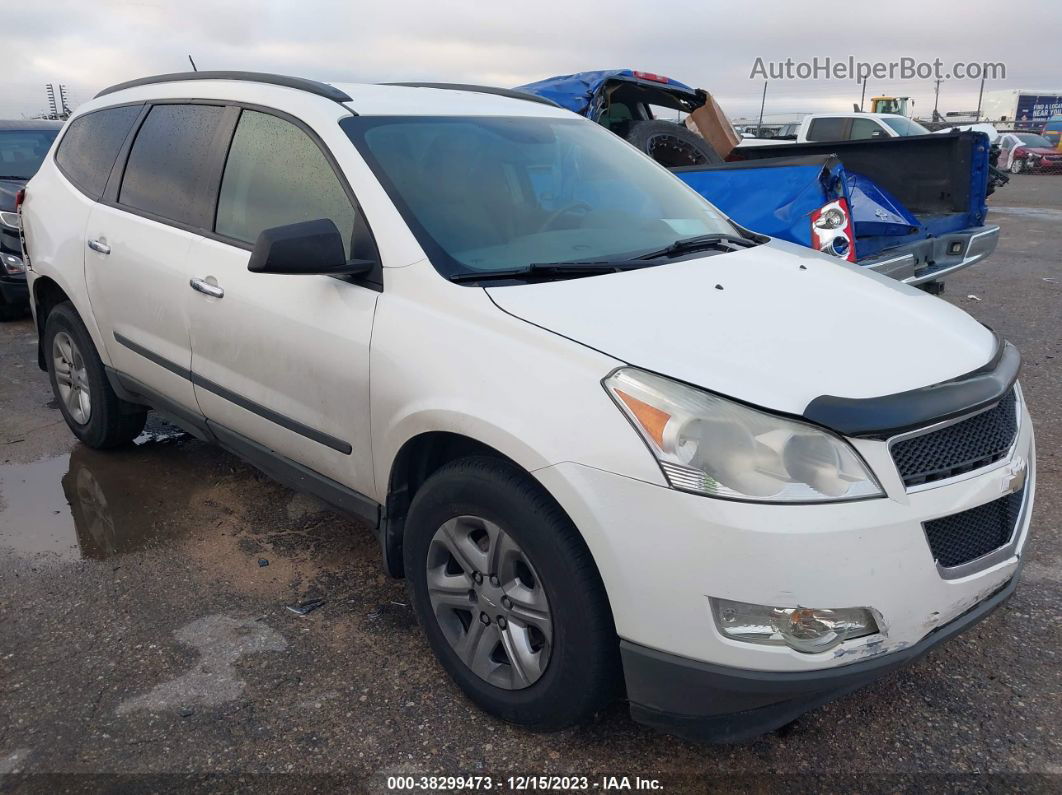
[{"x": 852, "y": 126}]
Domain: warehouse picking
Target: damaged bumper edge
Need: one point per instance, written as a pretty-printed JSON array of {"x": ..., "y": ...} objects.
[
  {"x": 718, "y": 704},
  {"x": 933, "y": 258}
]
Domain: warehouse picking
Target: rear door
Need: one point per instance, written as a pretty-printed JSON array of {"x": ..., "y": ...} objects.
[
  {"x": 283, "y": 360},
  {"x": 865, "y": 129},
  {"x": 138, "y": 240}
]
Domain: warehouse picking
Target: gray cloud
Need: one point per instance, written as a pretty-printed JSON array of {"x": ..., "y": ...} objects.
[{"x": 88, "y": 45}]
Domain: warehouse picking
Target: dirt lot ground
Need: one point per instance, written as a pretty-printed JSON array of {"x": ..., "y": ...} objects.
[{"x": 144, "y": 626}]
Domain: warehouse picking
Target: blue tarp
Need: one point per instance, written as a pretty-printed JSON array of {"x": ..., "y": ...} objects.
[
  {"x": 576, "y": 92},
  {"x": 795, "y": 190}
]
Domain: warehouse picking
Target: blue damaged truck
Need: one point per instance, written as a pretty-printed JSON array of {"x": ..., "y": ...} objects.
[{"x": 912, "y": 208}]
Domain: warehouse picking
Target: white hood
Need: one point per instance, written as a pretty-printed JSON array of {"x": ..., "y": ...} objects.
[{"x": 775, "y": 335}]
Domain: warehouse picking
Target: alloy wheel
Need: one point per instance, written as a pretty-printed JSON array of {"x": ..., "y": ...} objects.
[{"x": 71, "y": 378}]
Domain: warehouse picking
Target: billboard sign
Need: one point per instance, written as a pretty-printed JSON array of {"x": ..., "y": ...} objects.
[{"x": 1035, "y": 109}]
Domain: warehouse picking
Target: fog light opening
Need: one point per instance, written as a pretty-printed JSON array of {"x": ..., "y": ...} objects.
[{"x": 803, "y": 629}]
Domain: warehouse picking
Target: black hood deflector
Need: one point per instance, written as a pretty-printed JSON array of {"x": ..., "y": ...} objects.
[{"x": 888, "y": 415}]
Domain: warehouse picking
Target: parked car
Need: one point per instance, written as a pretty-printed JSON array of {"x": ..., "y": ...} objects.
[
  {"x": 1025, "y": 151},
  {"x": 23, "y": 145},
  {"x": 848, "y": 198},
  {"x": 612, "y": 439},
  {"x": 849, "y": 126}
]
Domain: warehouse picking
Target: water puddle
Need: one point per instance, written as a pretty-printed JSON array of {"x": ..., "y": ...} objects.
[{"x": 95, "y": 504}]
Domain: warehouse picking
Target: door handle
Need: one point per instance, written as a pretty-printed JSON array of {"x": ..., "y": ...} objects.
[
  {"x": 99, "y": 247},
  {"x": 206, "y": 288}
]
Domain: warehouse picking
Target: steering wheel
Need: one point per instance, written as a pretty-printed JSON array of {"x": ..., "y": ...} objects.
[{"x": 557, "y": 214}]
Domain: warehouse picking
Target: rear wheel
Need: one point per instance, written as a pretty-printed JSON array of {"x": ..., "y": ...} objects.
[
  {"x": 96, "y": 415},
  {"x": 509, "y": 596}
]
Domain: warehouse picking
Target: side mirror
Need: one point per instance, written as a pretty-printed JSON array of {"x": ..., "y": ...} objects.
[{"x": 308, "y": 247}]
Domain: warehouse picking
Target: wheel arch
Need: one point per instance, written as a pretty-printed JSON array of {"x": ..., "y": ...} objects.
[
  {"x": 418, "y": 458},
  {"x": 47, "y": 294}
]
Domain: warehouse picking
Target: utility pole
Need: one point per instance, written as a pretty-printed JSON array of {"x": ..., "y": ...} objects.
[
  {"x": 936, "y": 101},
  {"x": 763, "y": 101},
  {"x": 980, "y": 94},
  {"x": 863, "y": 96}
]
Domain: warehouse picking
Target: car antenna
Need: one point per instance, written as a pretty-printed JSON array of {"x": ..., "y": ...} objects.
[{"x": 194, "y": 69}]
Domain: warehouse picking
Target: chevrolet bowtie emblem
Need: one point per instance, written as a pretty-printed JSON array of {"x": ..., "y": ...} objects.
[{"x": 1014, "y": 476}]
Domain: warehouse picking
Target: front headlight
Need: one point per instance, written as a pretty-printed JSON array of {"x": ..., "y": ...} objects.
[
  {"x": 710, "y": 445},
  {"x": 13, "y": 265}
]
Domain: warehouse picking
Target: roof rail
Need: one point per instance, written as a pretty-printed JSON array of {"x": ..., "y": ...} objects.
[
  {"x": 501, "y": 92},
  {"x": 300, "y": 83}
]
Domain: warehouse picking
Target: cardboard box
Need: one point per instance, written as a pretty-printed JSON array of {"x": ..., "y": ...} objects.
[{"x": 709, "y": 122}]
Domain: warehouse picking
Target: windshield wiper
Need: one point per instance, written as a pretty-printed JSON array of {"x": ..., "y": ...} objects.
[
  {"x": 687, "y": 245},
  {"x": 552, "y": 270}
]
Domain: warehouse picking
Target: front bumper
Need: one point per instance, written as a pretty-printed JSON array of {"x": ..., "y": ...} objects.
[
  {"x": 717, "y": 704},
  {"x": 934, "y": 258},
  {"x": 664, "y": 554},
  {"x": 13, "y": 289}
]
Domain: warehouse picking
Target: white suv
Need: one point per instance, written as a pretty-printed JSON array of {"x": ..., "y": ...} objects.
[{"x": 611, "y": 439}]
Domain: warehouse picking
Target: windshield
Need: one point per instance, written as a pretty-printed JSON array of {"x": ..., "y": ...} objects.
[
  {"x": 904, "y": 126},
  {"x": 1030, "y": 139},
  {"x": 23, "y": 151},
  {"x": 489, "y": 193}
]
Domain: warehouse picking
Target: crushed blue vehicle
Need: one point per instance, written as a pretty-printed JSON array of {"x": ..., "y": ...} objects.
[{"x": 912, "y": 208}]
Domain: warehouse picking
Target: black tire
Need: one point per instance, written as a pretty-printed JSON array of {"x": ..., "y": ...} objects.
[
  {"x": 111, "y": 421},
  {"x": 671, "y": 144},
  {"x": 583, "y": 672}
]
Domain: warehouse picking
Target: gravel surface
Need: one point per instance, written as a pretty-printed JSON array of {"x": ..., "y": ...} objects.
[{"x": 144, "y": 627}]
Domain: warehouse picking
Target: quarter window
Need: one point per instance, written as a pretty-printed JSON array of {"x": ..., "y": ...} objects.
[
  {"x": 168, "y": 173},
  {"x": 90, "y": 146},
  {"x": 277, "y": 175}
]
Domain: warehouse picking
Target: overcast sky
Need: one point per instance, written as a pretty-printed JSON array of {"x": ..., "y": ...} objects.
[{"x": 90, "y": 44}]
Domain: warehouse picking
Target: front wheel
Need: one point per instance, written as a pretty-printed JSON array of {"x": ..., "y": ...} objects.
[
  {"x": 1017, "y": 166},
  {"x": 509, "y": 596}
]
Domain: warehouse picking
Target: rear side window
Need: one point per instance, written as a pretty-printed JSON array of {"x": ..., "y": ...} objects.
[
  {"x": 276, "y": 175},
  {"x": 89, "y": 148},
  {"x": 829, "y": 129},
  {"x": 168, "y": 172}
]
